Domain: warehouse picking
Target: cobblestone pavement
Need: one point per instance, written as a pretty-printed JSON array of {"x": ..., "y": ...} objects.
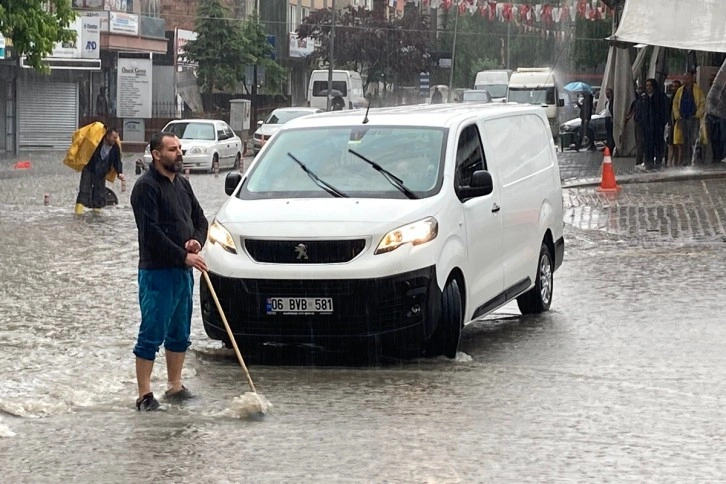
[{"x": 668, "y": 212}]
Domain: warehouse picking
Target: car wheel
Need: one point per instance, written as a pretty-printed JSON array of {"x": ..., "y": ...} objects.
[
  {"x": 577, "y": 140},
  {"x": 237, "y": 161},
  {"x": 539, "y": 298},
  {"x": 446, "y": 336}
]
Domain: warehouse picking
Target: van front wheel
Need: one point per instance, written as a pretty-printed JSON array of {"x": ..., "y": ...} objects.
[
  {"x": 539, "y": 298},
  {"x": 445, "y": 339}
]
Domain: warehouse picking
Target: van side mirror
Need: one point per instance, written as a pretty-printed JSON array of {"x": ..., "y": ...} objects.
[
  {"x": 560, "y": 103},
  {"x": 481, "y": 184},
  {"x": 231, "y": 181},
  {"x": 260, "y": 123}
]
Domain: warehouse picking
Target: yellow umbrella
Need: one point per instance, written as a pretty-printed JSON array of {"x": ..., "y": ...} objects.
[{"x": 84, "y": 142}]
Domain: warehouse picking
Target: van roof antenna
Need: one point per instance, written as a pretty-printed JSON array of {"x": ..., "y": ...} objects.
[{"x": 365, "y": 118}]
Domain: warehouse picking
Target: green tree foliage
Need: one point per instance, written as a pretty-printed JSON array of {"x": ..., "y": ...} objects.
[
  {"x": 34, "y": 28},
  {"x": 220, "y": 50},
  {"x": 591, "y": 48},
  {"x": 259, "y": 52},
  {"x": 224, "y": 47},
  {"x": 394, "y": 51},
  {"x": 482, "y": 45}
]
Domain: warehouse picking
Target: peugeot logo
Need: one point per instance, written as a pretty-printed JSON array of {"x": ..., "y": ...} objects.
[{"x": 301, "y": 250}]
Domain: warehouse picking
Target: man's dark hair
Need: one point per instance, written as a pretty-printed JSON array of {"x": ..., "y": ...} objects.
[
  {"x": 112, "y": 129},
  {"x": 157, "y": 140}
]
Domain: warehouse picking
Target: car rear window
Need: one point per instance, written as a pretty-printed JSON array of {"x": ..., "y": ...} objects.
[
  {"x": 201, "y": 131},
  {"x": 320, "y": 88}
]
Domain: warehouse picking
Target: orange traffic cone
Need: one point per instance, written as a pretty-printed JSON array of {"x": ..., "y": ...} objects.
[{"x": 607, "y": 182}]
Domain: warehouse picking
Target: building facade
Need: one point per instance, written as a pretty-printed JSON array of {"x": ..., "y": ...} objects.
[{"x": 42, "y": 110}]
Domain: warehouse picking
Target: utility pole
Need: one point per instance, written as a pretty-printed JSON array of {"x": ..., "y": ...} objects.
[
  {"x": 509, "y": 39},
  {"x": 253, "y": 104},
  {"x": 453, "y": 56},
  {"x": 331, "y": 51}
]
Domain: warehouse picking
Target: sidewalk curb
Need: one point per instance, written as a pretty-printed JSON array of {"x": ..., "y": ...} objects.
[{"x": 647, "y": 178}]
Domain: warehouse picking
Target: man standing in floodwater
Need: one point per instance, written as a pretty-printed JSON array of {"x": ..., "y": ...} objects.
[{"x": 172, "y": 229}]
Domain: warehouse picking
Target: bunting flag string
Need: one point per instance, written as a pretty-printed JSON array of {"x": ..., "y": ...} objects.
[{"x": 526, "y": 13}]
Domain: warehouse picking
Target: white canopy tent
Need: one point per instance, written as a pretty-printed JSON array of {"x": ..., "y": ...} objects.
[{"x": 679, "y": 24}]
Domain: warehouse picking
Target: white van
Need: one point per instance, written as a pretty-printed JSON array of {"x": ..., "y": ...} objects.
[
  {"x": 495, "y": 82},
  {"x": 537, "y": 85},
  {"x": 348, "y": 85},
  {"x": 400, "y": 229}
]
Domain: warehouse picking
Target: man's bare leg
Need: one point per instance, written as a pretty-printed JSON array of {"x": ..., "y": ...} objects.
[
  {"x": 143, "y": 375},
  {"x": 174, "y": 365}
]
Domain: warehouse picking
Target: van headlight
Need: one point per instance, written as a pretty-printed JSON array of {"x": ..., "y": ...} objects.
[
  {"x": 415, "y": 233},
  {"x": 147, "y": 150},
  {"x": 197, "y": 150},
  {"x": 219, "y": 235}
]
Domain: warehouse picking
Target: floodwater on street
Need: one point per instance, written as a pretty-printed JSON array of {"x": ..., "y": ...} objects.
[{"x": 623, "y": 380}]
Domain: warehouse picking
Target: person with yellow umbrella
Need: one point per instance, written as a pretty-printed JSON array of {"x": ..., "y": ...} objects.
[{"x": 96, "y": 152}]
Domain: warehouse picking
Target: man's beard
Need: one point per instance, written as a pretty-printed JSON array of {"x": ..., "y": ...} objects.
[{"x": 174, "y": 166}]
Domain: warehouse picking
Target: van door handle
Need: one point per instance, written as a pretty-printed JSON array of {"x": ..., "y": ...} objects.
[{"x": 496, "y": 208}]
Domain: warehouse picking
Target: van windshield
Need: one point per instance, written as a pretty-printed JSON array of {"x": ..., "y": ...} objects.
[
  {"x": 320, "y": 88},
  {"x": 523, "y": 95},
  {"x": 412, "y": 154}
]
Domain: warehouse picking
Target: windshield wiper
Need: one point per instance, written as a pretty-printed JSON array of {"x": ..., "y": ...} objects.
[
  {"x": 393, "y": 179},
  {"x": 325, "y": 186}
]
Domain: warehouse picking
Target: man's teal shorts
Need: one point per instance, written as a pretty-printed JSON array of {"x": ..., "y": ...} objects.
[{"x": 165, "y": 297}]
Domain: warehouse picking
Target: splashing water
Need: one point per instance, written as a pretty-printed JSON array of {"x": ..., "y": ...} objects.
[
  {"x": 462, "y": 357},
  {"x": 249, "y": 405},
  {"x": 5, "y": 431}
]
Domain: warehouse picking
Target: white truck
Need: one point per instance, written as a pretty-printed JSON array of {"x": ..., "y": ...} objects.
[
  {"x": 537, "y": 85},
  {"x": 495, "y": 82},
  {"x": 348, "y": 85}
]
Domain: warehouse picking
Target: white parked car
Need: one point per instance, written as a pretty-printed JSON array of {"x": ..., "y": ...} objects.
[
  {"x": 278, "y": 117},
  {"x": 205, "y": 142},
  {"x": 402, "y": 227}
]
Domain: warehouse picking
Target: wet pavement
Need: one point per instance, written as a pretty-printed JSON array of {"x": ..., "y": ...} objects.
[
  {"x": 584, "y": 168},
  {"x": 666, "y": 212},
  {"x": 623, "y": 380}
]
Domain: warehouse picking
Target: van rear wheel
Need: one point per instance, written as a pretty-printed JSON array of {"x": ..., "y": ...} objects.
[
  {"x": 446, "y": 336},
  {"x": 539, "y": 298}
]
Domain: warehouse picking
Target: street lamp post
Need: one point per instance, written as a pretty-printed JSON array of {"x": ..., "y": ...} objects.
[{"x": 331, "y": 50}]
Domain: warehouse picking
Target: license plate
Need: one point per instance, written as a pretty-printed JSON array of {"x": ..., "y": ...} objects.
[{"x": 299, "y": 305}]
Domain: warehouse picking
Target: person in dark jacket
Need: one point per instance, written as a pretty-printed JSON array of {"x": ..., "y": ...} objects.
[
  {"x": 172, "y": 229},
  {"x": 608, "y": 112},
  {"x": 92, "y": 189},
  {"x": 586, "y": 107},
  {"x": 436, "y": 97},
  {"x": 651, "y": 114}
]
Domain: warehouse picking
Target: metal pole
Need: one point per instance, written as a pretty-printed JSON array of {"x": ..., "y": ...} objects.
[
  {"x": 331, "y": 51},
  {"x": 509, "y": 28},
  {"x": 453, "y": 55}
]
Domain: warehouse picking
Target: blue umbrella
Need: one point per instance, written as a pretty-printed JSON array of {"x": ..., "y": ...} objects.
[{"x": 578, "y": 86}]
